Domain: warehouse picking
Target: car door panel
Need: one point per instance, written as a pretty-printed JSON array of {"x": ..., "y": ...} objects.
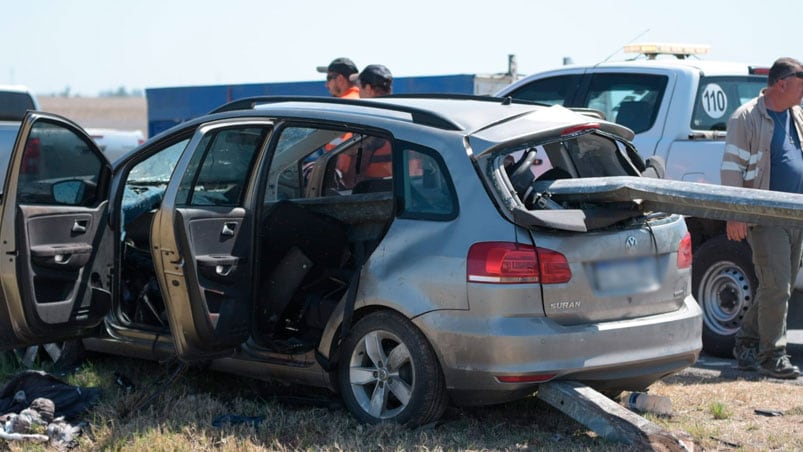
[
  {"x": 56, "y": 260},
  {"x": 203, "y": 241},
  {"x": 221, "y": 266},
  {"x": 60, "y": 241},
  {"x": 209, "y": 286},
  {"x": 56, "y": 275}
]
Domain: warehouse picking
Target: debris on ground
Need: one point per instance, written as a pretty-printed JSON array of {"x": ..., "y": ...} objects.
[
  {"x": 769, "y": 413},
  {"x": 236, "y": 419},
  {"x": 39, "y": 407}
]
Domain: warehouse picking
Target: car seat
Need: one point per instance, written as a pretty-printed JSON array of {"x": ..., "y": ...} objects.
[{"x": 301, "y": 252}]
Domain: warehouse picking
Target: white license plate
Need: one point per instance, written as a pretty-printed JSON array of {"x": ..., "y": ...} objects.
[{"x": 626, "y": 275}]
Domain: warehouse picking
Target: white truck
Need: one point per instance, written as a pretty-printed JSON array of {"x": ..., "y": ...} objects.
[
  {"x": 678, "y": 109},
  {"x": 116, "y": 143}
]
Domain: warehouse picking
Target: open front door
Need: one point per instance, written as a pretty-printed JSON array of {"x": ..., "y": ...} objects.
[
  {"x": 203, "y": 240},
  {"x": 55, "y": 244}
]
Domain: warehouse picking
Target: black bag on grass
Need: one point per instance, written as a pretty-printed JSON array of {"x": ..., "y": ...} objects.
[{"x": 70, "y": 401}]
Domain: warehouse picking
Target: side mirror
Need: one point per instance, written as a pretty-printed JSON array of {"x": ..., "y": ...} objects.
[{"x": 71, "y": 192}]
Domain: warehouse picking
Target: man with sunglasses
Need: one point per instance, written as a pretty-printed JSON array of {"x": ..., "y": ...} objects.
[
  {"x": 763, "y": 150},
  {"x": 338, "y": 78}
]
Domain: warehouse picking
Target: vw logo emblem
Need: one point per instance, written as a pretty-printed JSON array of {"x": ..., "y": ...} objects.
[{"x": 630, "y": 244}]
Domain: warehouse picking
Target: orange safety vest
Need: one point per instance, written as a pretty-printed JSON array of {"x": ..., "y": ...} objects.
[
  {"x": 378, "y": 163},
  {"x": 351, "y": 93}
]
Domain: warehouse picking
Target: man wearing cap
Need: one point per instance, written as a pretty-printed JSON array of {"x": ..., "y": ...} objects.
[
  {"x": 375, "y": 80},
  {"x": 338, "y": 78},
  {"x": 763, "y": 151}
]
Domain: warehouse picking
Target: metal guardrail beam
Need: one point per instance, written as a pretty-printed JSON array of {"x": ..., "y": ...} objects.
[
  {"x": 607, "y": 418},
  {"x": 686, "y": 198}
]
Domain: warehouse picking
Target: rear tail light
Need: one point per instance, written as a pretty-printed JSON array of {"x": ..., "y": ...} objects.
[
  {"x": 513, "y": 263},
  {"x": 684, "y": 252},
  {"x": 30, "y": 157},
  {"x": 759, "y": 70}
]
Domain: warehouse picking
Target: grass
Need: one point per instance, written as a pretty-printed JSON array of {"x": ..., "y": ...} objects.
[
  {"x": 720, "y": 414},
  {"x": 159, "y": 416},
  {"x": 719, "y": 410},
  {"x": 9, "y": 365}
]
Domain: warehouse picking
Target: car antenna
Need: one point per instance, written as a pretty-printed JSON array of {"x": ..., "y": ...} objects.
[{"x": 623, "y": 46}]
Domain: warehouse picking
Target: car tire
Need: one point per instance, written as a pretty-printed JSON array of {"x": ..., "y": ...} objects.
[
  {"x": 724, "y": 284},
  {"x": 389, "y": 373},
  {"x": 57, "y": 355}
]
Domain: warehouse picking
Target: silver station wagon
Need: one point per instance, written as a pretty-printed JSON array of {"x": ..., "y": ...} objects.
[{"x": 400, "y": 251}]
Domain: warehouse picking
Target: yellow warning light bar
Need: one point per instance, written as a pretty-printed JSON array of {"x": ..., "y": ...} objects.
[{"x": 679, "y": 50}]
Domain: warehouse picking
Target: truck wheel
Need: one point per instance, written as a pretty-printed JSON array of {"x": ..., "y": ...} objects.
[
  {"x": 389, "y": 373},
  {"x": 724, "y": 284}
]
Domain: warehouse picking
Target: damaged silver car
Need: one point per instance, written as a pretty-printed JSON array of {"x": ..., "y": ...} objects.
[{"x": 405, "y": 252}]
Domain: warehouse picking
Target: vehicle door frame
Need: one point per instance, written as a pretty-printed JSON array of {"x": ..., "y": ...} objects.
[
  {"x": 174, "y": 253},
  {"x": 79, "y": 253}
]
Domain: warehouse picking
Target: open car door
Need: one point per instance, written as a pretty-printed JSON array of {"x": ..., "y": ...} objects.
[
  {"x": 55, "y": 239},
  {"x": 203, "y": 239}
]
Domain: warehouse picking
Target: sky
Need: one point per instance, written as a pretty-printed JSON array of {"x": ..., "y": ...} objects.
[{"x": 85, "y": 47}]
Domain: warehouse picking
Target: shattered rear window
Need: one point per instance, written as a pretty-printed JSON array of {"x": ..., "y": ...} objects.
[
  {"x": 596, "y": 156},
  {"x": 582, "y": 156},
  {"x": 587, "y": 155},
  {"x": 526, "y": 173}
]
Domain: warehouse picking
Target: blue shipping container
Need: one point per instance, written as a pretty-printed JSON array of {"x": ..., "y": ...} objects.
[{"x": 170, "y": 106}]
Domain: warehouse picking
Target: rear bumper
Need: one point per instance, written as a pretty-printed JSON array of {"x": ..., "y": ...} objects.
[{"x": 620, "y": 355}]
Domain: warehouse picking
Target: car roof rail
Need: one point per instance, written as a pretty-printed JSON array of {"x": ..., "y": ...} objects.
[
  {"x": 419, "y": 116},
  {"x": 457, "y": 96},
  {"x": 506, "y": 100}
]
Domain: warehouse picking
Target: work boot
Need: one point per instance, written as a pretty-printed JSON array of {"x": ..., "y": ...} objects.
[
  {"x": 746, "y": 356},
  {"x": 779, "y": 367}
]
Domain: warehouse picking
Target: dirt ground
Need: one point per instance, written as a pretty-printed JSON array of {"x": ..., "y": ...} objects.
[
  {"x": 124, "y": 113},
  {"x": 725, "y": 414}
]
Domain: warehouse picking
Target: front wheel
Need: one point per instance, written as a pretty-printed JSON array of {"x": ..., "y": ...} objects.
[
  {"x": 724, "y": 284},
  {"x": 389, "y": 373}
]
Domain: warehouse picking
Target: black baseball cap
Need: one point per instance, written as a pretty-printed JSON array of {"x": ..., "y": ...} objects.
[
  {"x": 339, "y": 66},
  {"x": 374, "y": 75}
]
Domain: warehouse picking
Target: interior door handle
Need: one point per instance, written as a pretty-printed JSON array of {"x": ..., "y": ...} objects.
[
  {"x": 79, "y": 226},
  {"x": 228, "y": 229},
  {"x": 61, "y": 255},
  {"x": 224, "y": 270},
  {"x": 218, "y": 267}
]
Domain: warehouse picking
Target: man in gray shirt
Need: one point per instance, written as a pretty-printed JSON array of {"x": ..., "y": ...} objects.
[{"x": 762, "y": 150}]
